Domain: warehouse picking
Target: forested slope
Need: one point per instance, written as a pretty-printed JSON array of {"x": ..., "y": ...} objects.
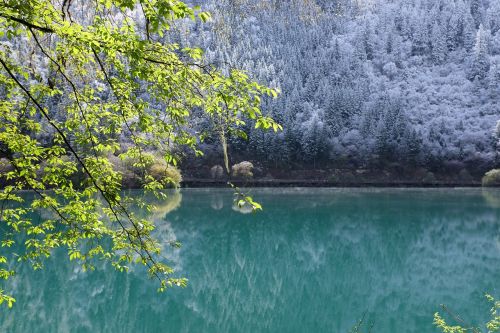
[{"x": 365, "y": 83}]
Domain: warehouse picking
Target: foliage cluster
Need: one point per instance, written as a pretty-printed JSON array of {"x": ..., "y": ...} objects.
[
  {"x": 81, "y": 81},
  {"x": 492, "y": 178},
  {"x": 493, "y": 325}
]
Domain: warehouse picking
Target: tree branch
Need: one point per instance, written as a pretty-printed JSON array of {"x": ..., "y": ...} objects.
[
  {"x": 148, "y": 259},
  {"x": 27, "y": 24}
]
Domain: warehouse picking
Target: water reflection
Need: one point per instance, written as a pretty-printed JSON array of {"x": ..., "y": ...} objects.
[
  {"x": 313, "y": 260},
  {"x": 492, "y": 196},
  {"x": 217, "y": 201}
]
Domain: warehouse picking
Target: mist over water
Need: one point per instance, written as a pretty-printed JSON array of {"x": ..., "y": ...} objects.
[{"x": 315, "y": 260}]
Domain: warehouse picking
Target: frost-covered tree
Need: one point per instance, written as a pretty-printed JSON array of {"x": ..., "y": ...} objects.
[
  {"x": 469, "y": 32},
  {"x": 476, "y": 11},
  {"x": 343, "y": 56},
  {"x": 497, "y": 134},
  {"x": 314, "y": 139},
  {"x": 438, "y": 44},
  {"x": 480, "y": 61},
  {"x": 493, "y": 17}
]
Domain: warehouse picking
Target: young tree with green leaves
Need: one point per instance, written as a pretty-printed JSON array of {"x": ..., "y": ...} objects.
[{"x": 76, "y": 78}]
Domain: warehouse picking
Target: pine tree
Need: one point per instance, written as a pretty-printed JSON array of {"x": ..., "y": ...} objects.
[
  {"x": 438, "y": 44},
  {"x": 480, "y": 63},
  {"x": 497, "y": 133},
  {"x": 494, "y": 80},
  {"x": 314, "y": 140},
  {"x": 419, "y": 39},
  {"x": 369, "y": 41},
  {"x": 475, "y": 10},
  {"x": 398, "y": 51},
  {"x": 452, "y": 32},
  {"x": 468, "y": 32},
  {"x": 493, "y": 17},
  {"x": 413, "y": 143}
]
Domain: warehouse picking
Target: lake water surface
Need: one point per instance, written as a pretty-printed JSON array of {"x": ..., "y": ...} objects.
[{"x": 315, "y": 260}]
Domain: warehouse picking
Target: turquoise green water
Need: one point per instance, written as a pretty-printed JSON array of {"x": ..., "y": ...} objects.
[{"x": 315, "y": 260}]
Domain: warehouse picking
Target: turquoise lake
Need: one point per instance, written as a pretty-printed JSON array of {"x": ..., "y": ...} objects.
[{"x": 315, "y": 260}]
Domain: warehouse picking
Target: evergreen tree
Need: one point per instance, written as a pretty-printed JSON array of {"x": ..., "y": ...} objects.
[
  {"x": 413, "y": 142},
  {"x": 419, "y": 39},
  {"x": 321, "y": 62},
  {"x": 438, "y": 44},
  {"x": 494, "y": 80},
  {"x": 315, "y": 139},
  {"x": 497, "y": 132},
  {"x": 475, "y": 10},
  {"x": 469, "y": 32},
  {"x": 493, "y": 17},
  {"x": 480, "y": 62},
  {"x": 452, "y": 31}
]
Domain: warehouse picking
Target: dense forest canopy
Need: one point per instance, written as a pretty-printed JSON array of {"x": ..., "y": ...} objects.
[{"x": 366, "y": 83}]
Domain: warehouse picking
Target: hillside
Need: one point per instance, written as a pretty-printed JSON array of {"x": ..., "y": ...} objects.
[{"x": 365, "y": 84}]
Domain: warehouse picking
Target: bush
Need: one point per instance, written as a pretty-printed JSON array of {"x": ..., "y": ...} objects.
[
  {"x": 157, "y": 168},
  {"x": 165, "y": 173},
  {"x": 346, "y": 177},
  {"x": 492, "y": 178},
  {"x": 242, "y": 170},
  {"x": 217, "y": 172}
]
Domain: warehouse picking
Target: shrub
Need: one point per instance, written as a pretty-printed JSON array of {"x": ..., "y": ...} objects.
[
  {"x": 156, "y": 167},
  {"x": 242, "y": 170},
  {"x": 347, "y": 177},
  {"x": 492, "y": 178},
  {"x": 217, "y": 172},
  {"x": 165, "y": 173}
]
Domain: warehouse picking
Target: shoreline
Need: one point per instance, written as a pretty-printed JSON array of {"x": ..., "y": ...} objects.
[{"x": 206, "y": 183}]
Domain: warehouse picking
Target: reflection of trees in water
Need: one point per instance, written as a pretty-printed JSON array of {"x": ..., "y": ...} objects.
[
  {"x": 164, "y": 232},
  {"x": 491, "y": 196},
  {"x": 167, "y": 205},
  {"x": 310, "y": 261},
  {"x": 385, "y": 251},
  {"x": 217, "y": 201},
  {"x": 157, "y": 208},
  {"x": 161, "y": 205}
]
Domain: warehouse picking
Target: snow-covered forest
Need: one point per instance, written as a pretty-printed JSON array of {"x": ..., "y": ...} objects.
[{"x": 365, "y": 82}]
